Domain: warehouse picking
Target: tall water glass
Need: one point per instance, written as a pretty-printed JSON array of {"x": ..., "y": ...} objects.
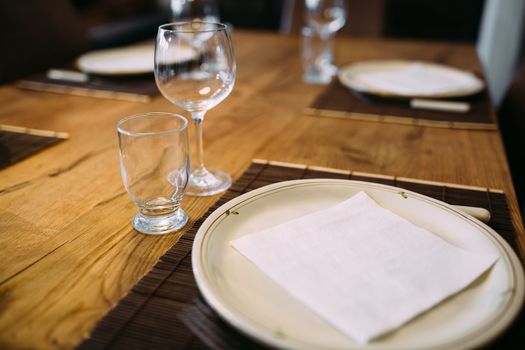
[
  {"x": 324, "y": 18},
  {"x": 195, "y": 70},
  {"x": 154, "y": 164}
]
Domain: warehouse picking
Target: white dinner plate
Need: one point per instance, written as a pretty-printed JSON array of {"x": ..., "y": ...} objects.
[
  {"x": 428, "y": 80},
  {"x": 251, "y": 302},
  {"x": 131, "y": 60}
]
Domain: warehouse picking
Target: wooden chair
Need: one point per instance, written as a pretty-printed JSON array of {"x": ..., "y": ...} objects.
[
  {"x": 511, "y": 116},
  {"x": 37, "y": 35}
]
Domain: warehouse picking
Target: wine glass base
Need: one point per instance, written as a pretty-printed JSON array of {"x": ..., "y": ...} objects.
[
  {"x": 215, "y": 181},
  {"x": 159, "y": 225}
]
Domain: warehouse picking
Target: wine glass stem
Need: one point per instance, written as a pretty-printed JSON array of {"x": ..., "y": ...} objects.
[{"x": 198, "y": 119}]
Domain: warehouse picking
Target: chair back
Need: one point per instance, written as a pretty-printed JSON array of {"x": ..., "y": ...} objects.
[
  {"x": 37, "y": 35},
  {"x": 511, "y": 116}
]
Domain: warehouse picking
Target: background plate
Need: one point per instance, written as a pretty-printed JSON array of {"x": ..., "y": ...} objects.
[
  {"x": 349, "y": 77},
  {"x": 130, "y": 60}
]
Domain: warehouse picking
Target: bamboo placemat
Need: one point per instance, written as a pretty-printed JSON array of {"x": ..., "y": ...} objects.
[
  {"x": 338, "y": 101},
  {"x": 164, "y": 310},
  {"x": 133, "y": 88},
  {"x": 17, "y": 143}
]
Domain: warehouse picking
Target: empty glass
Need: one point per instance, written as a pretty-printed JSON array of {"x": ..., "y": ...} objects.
[
  {"x": 195, "y": 70},
  {"x": 317, "y": 57},
  {"x": 154, "y": 164},
  {"x": 324, "y": 18}
]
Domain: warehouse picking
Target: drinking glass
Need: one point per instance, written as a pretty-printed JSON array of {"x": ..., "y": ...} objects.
[
  {"x": 324, "y": 18},
  {"x": 191, "y": 10},
  {"x": 154, "y": 164},
  {"x": 317, "y": 57},
  {"x": 195, "y": 70}
]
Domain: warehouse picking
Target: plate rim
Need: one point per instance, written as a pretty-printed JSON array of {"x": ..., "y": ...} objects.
[
  {"x": 109, "y": 51},
  {"x": 346, "y": 82},
  {"x": 490, "y": 328}
]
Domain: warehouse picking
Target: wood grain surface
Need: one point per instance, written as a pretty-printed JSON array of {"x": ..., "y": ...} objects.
[{"x": 67, "y": 249}]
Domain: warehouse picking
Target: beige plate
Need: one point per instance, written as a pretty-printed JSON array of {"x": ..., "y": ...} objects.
[
  {"x": 258, "y": 307},
  {"x": 349, "y": 77},
  {"x": 131, "y": 60}
]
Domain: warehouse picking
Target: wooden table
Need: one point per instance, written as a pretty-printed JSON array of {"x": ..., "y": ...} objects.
[{"x": 67, "y": 249}]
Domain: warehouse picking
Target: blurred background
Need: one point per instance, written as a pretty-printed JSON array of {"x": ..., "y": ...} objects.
[{"x": 57, "y": 31}]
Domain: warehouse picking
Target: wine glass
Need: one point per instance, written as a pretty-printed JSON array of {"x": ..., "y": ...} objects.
[
  {"x": 325, "y": 16},
  {"x": 191, "y": 10},
  {"x": 195, "y": 70}
]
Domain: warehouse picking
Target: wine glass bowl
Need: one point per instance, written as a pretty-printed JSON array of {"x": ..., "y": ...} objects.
[
  {"x": 190, "y": 10},
  {"x": 325, "y": 16},
  {"x": 196, "y": 84}
]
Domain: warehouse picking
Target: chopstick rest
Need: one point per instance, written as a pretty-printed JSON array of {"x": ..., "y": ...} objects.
[
  {"x": 67, "y": 75},
  {"x": 481, "y": 214},
  {"x": 440, "y": 105}
]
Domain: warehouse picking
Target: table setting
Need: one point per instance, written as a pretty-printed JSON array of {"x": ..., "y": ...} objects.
[
  {"x": 390, "y": 224},
  {"x": 392, "y": 90},
  {"x": 418, "y": 277},
  {"x": 124, "y": 73},
  {"x": 228, "y": 301},
  {"x": 387, "y": 91}
]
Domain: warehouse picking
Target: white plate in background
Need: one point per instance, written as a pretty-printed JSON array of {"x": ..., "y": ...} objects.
[
  {"x": 406, "y": 77},
  {"x": 130, "y": 60}
]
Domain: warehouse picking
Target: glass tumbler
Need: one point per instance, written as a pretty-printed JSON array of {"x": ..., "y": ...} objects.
[
  {"x": 154, "y": 164},
  {"x": 317, "y": 57}
]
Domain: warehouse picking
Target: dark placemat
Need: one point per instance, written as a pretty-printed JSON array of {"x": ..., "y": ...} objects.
[
  {"x": 17, "y": 143},
  {"x": 164, "y": 309},
  {"x": 140, "y": 88},
  {"x": 340, "y": 102}
]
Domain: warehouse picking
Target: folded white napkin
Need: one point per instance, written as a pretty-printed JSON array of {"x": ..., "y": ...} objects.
[
  {"x": 417, "y": 79},
  {"x": 362, "y": 268}
]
